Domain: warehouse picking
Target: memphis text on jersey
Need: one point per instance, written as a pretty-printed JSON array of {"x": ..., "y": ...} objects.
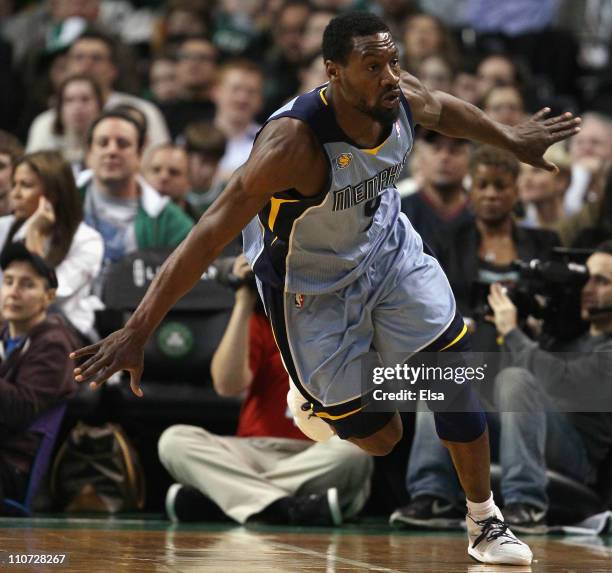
[{"x": 352, "y": 195}]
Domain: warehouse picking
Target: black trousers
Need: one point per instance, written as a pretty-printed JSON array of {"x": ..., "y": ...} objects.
[{"x": 13, "y": 482}]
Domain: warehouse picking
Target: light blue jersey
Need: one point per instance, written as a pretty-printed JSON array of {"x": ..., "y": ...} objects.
[
  {"x": 320, "y": 244},
  {"x": 351, "y": 270}
]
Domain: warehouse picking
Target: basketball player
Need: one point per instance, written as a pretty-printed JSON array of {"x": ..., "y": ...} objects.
[{"x": 340, "y": 269}]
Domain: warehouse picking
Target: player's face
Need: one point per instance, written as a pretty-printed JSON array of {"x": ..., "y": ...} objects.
[{"x": 370, "y": 80}]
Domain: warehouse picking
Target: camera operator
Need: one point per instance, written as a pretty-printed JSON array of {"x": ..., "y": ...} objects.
[
  {"x": 269, "y": 472},
  {"x": 532, "y": 395}
]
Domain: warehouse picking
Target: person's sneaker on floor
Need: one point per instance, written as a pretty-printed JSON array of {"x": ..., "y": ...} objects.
[
  {"x": 316, "y": 509},
  {"x": 491, "y": 541},
  {"x": 428, "y": 512},
  {"x": 525, "y": 518},
  {"x": 186, "y": 503}
]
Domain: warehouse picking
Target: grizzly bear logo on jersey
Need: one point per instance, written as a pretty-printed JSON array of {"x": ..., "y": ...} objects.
[{"x": 344, "y": 160}]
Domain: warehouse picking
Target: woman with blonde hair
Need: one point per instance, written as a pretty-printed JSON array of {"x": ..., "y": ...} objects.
[{"x": 48, "y": 218}]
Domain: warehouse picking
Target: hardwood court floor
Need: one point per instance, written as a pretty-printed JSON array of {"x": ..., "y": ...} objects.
[{"x": 146, "y": 545}]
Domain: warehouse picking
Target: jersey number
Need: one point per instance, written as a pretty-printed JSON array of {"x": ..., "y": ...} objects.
[{"x": 370, "y": 210}]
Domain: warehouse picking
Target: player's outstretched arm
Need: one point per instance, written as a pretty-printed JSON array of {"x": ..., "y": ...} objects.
[
  {"x": 283, "y": 155},
  {"x": 451, "y": 116}
]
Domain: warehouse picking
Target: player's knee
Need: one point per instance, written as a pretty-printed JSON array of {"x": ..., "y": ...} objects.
[
  {"x": 382, "y": 442},
  {"x": 381, "y": 446},
  {"x": 461, "y": 427}
]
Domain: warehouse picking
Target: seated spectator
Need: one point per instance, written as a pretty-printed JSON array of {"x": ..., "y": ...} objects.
[
  {"x": 238, "y": 96},
  {"x": 45, "y": 26},
  {"x": 79, "y": 102},
  {"x": 541, "y": 193},
  {"x": 205, "y": 146},
  {"x": 163, "y": 79},
  {"x": 466, "y": 85},
  {"x": 312, "y": 39},
  {"x": 237, "y": 28},
  {"x": 195, "y": 74},
  {"x": 536, "y": 395},
  {"x": 35, "y": 372},
  {"x": 441, "y": 202},
  {"x": 180, "y": 19},
  {"x": 94, "y": 54},
  {"x": 137, "y": 115},
  {"x": 48, "y": 218},
  {"x": 10, "y": 150},
  {"x": 496, "y": 70},
  {"x": 590, "y": 153},
  {"x": 436, "y": 73},
  {"x": 312, "y": 74},
  {"x": 269, "y": 472},
  {"x": 393, "y": 12},
  {"x": 282, "y": 62},
  {"x": 166, "y": 168},
  {"x": 504, "y": 104},
  {"x": 481, "y": 252},
  {"x": 593, "y": 223},
  {"x": 424, "y": 35},
  {"x": 117, "y": 202}
]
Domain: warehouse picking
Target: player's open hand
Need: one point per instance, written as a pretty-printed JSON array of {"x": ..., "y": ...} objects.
[
  {"x": 118, "y": 351},
  {"x": 534, "y": 136}
]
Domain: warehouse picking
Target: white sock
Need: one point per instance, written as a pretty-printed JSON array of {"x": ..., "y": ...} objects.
[{"x": 481, "y": 510}]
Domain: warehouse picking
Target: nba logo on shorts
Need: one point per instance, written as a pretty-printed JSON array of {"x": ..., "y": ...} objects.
[{"x": 299, "y": 300}]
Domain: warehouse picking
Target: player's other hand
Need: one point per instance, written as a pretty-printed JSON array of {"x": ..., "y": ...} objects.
[
  {"x": 531, "y": 138},
  {"x": 120, "y": 350}
]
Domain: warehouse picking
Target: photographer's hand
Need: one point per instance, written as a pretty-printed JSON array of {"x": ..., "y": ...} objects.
[
  {"x": 230, "y": 368},
  {"x": 505, "y": 313},
  {"x": 244, "y": 295}
]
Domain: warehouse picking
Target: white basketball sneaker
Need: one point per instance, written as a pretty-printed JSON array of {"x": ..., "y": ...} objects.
[{"x": 491, "y": 541}]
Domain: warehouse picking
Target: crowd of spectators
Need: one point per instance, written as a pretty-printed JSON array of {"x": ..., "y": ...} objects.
[{"x": 121, "y": 121}]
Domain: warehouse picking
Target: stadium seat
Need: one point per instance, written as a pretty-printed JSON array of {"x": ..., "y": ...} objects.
[
  {"x": 176, "y": 380},
  {"x": 48, "y": 425}
]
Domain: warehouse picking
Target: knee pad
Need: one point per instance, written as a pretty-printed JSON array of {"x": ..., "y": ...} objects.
[{"x": 460, "y": 426}]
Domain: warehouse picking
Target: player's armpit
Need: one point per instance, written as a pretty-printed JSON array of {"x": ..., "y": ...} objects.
[
  {"x": 286, "y": 155},
  {"x": 425, "y": 107}
]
